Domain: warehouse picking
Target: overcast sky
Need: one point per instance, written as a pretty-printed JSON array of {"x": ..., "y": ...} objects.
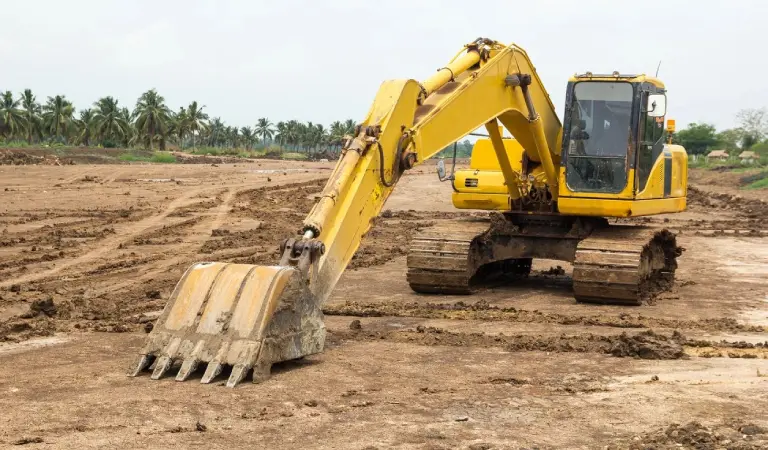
[{"x": 324, "y": 60}]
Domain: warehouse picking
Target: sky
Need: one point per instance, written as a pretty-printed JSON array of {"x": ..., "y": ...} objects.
[{"x": 324, "y": 60}]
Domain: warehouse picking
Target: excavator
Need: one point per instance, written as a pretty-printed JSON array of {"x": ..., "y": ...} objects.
[{"x": 550, "y": 193}]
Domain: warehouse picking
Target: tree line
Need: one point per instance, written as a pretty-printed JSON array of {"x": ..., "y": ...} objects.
[
  {"x": 750, "y": 134},
  {"x": 153, "y": 125}
]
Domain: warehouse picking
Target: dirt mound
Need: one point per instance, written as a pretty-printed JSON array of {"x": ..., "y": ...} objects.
[
  {"x": 185, "y": 158},
  {"x": 648, "y": 345},
  {"x": 20, "y": 158},
  {"x": 644, "y": 345},
  {"x": 749, "y": 208},
  {"x": 17, "y": 330},
  {"x": 694, "y": 435},
  {"x": 41, "y": 307},
  {"x": 482, "y": 310}
]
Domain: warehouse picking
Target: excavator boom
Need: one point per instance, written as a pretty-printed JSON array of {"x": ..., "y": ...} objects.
[{"x": 249, "y": 317}]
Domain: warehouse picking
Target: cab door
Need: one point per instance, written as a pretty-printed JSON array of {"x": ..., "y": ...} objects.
[{"x": 652, "y": 164}]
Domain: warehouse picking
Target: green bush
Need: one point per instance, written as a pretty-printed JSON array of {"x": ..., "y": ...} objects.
[
  {"x": 732, "y": 164},
  {"x": 15, "y": 144},
  {"x": 130, "y": 157},
  {"x": 273, "y": 152},
  {"x": 294, "y": 156},
  {"x": 163, "y": 158},
  {"x": 109, "y": 143},
  {"x": 755, "y": 181},
  {"x": 157, "y": 157}
]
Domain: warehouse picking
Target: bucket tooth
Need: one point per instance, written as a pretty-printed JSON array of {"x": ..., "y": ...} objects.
[
  {"x": 237, "y": 315},
  {"x": 211, "y": 372},
  {"x": 238, "y": 374},
  {"x": 187, "y": 367},
  {"x": 142, "y": 362},
  {"x": 161, "y": 366}
]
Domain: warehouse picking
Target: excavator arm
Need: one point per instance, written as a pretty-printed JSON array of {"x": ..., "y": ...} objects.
[{"x": 249, "y": 317}]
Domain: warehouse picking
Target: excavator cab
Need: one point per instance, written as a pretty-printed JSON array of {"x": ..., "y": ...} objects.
[{"x": 613, "y": 149}]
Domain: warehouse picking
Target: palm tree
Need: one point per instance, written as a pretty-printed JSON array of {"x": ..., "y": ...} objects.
[
  {"x": 181, "y": 123},
  {"x": 57, "y": 115},
  {"x": 11, "y": 117},
  {"x": 85, "y": 125},
  {"x": 319, "y": 136},
  {"x": 110, "y": 121},
  {"x": 130, "y": 130},
  {"x": 233, "y": 136},
  {"x": 32, "y": 112},
  {"x": 282, "y": 133},
  {"x": 195, "y": 119},
  {"x": 217, "y": 130},
  {"x": 336, "y": 133},
  {"x": 349, "y": 127},
  {"x": 152, "y": 118},
  {"x": 265, "y": 130},
  {"x": 248, "y": 137},
  {"x": 306, "y": 135},
  {"x": 293, "y": 133}
]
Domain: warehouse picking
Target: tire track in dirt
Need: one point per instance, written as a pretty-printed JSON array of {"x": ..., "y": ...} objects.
[
  {"x": 110, "y": 244},
  {"x": 115, "y": 174},
  {"x": 193, "y": 240},
  {"x": 79, "y": 174}
]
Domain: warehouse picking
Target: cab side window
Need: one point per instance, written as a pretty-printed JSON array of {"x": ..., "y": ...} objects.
[{"x": 651, "y": 145}]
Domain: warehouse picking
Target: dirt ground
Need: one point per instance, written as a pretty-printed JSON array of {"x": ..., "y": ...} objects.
[{"x": 90, "y": 253}]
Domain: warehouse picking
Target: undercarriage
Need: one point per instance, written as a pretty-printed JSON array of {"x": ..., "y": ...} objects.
[{"x": 612, "y": 264}]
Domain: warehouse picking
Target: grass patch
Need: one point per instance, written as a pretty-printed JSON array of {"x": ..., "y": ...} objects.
[
  {"x": 760, "y": 184},
  {"x": 731, "y": 165},
  {"x": 163, "y": 158},
  {"x": 756, "y": 181},
  {"x": 294, "y": 156},
  {"x": 210, "y": 151},
  {"x": 132, "y": 157},
  {"x": 156, "y": 157}
]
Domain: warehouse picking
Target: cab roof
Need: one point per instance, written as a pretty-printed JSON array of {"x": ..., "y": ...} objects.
[{"x": 616, "y": 76}]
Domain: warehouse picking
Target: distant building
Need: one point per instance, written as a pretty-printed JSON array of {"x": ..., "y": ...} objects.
[
  {"x": 720, "y": 155},
  {"x": 748, "y": 157}
]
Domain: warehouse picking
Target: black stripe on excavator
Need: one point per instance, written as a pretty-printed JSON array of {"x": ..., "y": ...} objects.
[{"x": 667, "y": 174}]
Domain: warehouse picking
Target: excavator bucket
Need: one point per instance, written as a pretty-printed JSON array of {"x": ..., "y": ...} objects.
[{"x": 233, "y": 315}]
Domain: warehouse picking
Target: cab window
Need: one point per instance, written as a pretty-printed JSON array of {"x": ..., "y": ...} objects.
[{"x": 599, "y": 136}]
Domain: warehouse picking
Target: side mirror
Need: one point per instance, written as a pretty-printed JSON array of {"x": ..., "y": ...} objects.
[
  {"x": 657, "y": 105},
  {"x": 441, "y": 169}
]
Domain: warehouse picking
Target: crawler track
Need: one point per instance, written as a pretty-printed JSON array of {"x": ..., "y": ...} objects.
[
  {"x": 439, "y": 258},
  {"x": 623, "y": 265}
]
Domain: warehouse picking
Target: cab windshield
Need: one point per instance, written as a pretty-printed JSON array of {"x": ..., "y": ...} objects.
[{"x": 599, "y": 136}]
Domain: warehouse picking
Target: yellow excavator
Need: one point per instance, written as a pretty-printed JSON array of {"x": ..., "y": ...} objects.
[{"x": 550, "y": 190}]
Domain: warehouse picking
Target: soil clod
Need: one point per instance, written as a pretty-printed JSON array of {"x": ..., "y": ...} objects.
[
  {"x": 45, "y": 307},
  {"x": 28, "y": 440}
]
